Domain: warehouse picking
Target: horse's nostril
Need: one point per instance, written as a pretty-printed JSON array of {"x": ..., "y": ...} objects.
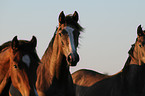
[
  {"x": 69, "y": 58},
  {"x": 73, "y": 59}
]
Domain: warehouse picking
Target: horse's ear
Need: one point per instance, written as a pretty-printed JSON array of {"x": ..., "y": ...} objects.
[
  {"x": 33, "y": 42},
  {"x": 75, "y": 16},
  {"x": 61, "y": 18},
  {"x": 139, "y": 31},
  {"x": 15, "y": 43}
]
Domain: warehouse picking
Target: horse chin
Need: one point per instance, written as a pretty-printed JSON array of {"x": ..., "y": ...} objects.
[
  {"x": 74, "y": 64},
  {"x": 71, "y": 63}
]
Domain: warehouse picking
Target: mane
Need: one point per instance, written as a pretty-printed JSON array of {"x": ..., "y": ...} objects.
[
  {"x": 48, "y": 51},
  {"x": 21, "y": 42},
  {"x": 8, "y": 44},
  {"x": 127, "y": 63},
  {"x": 5, "y": 45},
  {"x": 71, "y": 22},
  {"x": 36, "y": 57},
  {"x": 130, "y": 52}
]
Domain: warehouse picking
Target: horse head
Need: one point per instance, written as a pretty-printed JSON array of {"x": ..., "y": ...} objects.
[
  {"x": 68, "y": 34},
  {"x": 138, "y": 54},
  {"x": 23, "y": 65}
]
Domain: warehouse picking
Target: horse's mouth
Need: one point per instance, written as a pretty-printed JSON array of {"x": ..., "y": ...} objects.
[{"x": 72, "y": 63}]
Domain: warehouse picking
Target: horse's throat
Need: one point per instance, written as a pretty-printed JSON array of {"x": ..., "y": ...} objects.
[
  {"x": 55, "y": 64},
  {"x": 62, "y": 69}
]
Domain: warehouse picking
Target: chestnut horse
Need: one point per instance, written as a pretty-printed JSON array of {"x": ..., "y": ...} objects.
[
  {"x": 53, "y": 75},
  {"x": 129, "y": 81},
  {"x": 18, "y": 64}
]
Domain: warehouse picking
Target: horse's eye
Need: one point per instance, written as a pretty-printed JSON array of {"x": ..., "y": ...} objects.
[
  {"x": 15, "y": 66},
  {"x": 59, "y": 34},
  {"x": 139, "y": 45},
  {"x": 59, "y": 28},
  {"x": 62, "y": 43}
]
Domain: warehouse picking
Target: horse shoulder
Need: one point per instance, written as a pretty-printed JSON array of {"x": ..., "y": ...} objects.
[{"x": 43, "y": 80}]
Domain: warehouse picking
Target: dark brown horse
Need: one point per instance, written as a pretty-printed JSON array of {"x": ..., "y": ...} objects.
[
  {"x": 53, "y": 76},
  {"x": 18, "y": 64},
  {"x": 129, "y": 81}
]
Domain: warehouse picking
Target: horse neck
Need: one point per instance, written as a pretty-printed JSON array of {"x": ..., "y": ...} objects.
[
  {"x": 134, "y": 78},
  {"x": 132, "y": 58},
  {"x": 132, "y": 75},
  {"x": 5, "y": 56},
  {"x": 4, "y": 63},
  {"x": 136, "y": 55},
  {"x": 132, "y": 64},
  {"x": 5, "y": 59},
  {"x": 53, "y": 59}
]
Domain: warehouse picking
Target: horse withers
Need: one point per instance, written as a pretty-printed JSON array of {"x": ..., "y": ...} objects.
[
  {"x": 53, "y": 75},
  {"x": 18, "y": 66},
  {"x": 129, "y": 81}
]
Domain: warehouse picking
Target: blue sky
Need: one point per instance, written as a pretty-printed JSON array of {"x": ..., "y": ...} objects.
[{"x": 110, "y": 27}]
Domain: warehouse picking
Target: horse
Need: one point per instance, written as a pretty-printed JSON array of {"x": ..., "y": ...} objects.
[
  {"x": 53, "y": 75},
  {"x": 18, "y": 64},
  {"x": 129, "y": 81}
]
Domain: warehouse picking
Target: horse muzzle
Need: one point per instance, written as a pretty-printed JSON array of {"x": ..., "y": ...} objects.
[{"x": 73, "y": 59}]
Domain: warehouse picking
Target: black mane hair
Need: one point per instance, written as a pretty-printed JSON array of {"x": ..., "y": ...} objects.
[{"x": 71, "y": 22}]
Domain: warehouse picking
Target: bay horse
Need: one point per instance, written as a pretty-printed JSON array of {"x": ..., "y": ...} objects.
[
  {"x": 53, "y": 75},
  {"x": 18, "y": 64},
  {"x": 130, "y": 81}
]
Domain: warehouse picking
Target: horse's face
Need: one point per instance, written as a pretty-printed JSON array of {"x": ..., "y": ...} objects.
[
  {"x": 68, "y": 39},
  {"x": 23, "y": 69},
  {"x": 139, "y": 50}
]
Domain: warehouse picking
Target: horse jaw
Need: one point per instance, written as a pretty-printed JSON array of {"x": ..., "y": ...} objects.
[{"x": 143, "y": 59}]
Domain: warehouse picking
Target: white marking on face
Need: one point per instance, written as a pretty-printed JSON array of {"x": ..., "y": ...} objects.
[
  {"x": 71, "y": 36},
  {"x": 26, "y": 60},
  {"x": 36, "y": 94},
  {"x": 69, "y": 29}
]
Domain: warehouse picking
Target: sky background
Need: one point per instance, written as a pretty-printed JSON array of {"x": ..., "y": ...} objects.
[{"x": 110, "y": 27}]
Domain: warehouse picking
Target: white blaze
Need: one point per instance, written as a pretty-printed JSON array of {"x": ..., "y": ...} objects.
[
  {"x": 70, "y": 33},
  {"x": 26, "y": 60},
  {"x": 36, "y": 94}
]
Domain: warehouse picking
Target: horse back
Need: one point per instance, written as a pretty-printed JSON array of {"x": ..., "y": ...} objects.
[{"x": 87, "y": 78}]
